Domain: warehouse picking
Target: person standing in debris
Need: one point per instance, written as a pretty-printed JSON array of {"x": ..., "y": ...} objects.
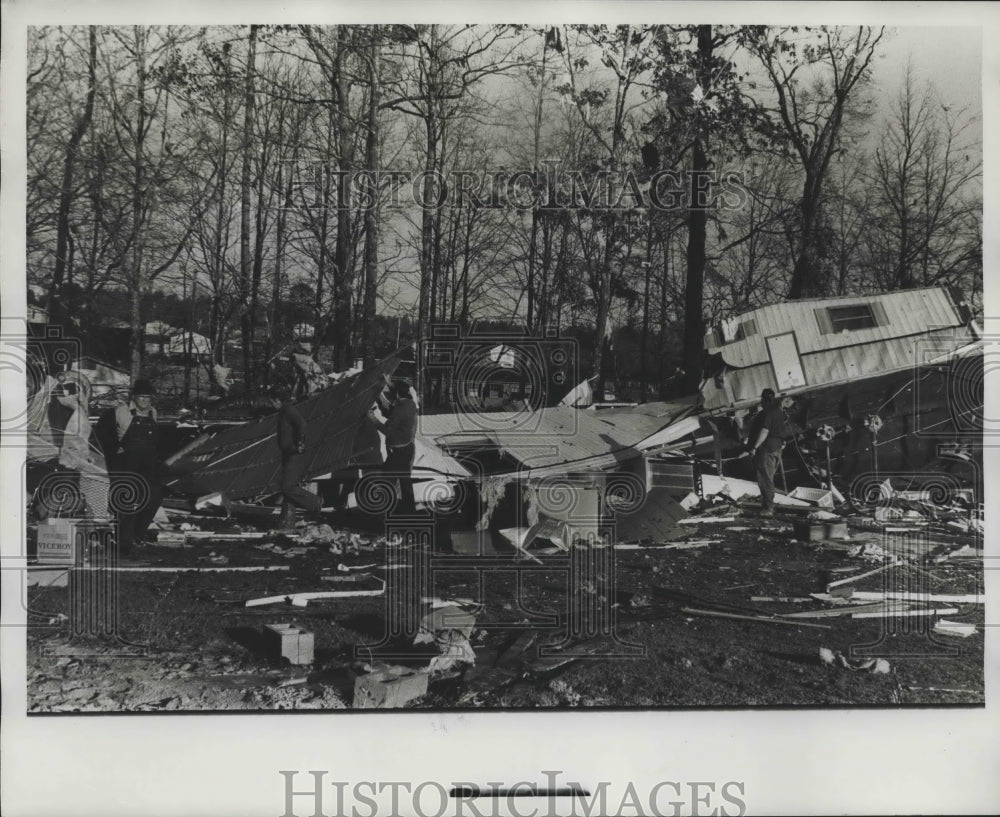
[
  {"x": 768, "y": 433},
  {"x": 136, "y": 454},
  {"x": 291, "y": 434},
  {"x": 400, "y": 429}
]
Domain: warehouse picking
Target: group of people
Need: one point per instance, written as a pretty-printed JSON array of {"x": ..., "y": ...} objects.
[{"x": 132, "y": 453}]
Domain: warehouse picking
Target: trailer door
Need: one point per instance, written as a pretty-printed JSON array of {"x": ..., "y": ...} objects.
[{"x": 785, "y": 360}]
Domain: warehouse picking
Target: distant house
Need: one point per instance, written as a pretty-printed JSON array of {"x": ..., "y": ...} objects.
[
  {"x": 156, "y": 337},
  {"x": 178, "y": 345}
]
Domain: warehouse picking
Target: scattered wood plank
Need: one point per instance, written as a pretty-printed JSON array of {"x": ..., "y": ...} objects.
[
  {"x": 968, "y": 598},
  {"x": 669, "y": 546},
  {"x": 189, "y": 568},
  {"x": 782, "y": 599},
  {"x": 946, "y": 689},
  {"x": 959, "y": 629},
  {"x": 933, "y": 611},
  {"x": 302, "y": 599},
  {"x": 248, "y": 535},
  {"x": 851, "y": 579},
  {"x": 841, "y": 600},
  {"x": 698, "y": 520},
  {"x": 877, "y": 607},
  {"x": 766, "y": 619}
]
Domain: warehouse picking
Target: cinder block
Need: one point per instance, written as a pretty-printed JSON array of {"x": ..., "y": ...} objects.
[
  {"x": 389, "y": 688},
  {"x": 289, "y": 641}
]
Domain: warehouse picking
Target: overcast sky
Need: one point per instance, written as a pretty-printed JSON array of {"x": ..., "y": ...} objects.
[{"x": 951, "y": 58}]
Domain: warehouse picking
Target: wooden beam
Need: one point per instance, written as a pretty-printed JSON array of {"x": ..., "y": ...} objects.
[
  {"x": 189, "y": 568},
  {"x": 766, "y": 619},
  {"x": 969, "y": 598},
  {"x": 939, "y": 611},
  {"x": 302, "y": 599}
]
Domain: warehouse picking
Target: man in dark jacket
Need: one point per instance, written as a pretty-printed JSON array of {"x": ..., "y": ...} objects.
[
  {"x": 135, "y": 453},
  {"x": 768, "y": 432},
  {"x": 400, "y": 429},
  {"x": 291, "y": 434}
]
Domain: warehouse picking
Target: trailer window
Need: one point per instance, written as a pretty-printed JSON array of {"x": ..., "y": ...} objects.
[{"x": 851, "y": 318}]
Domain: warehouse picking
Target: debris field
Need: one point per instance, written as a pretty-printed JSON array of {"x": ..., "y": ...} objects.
[{"x": 878, "y": 604}]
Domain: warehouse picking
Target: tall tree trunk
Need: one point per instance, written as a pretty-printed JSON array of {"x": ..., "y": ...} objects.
[
  {"x": 285, "y": 186},
  {"x": 697, "y": 219},
  {"x": 138, "y": 200},
  {"x": 217, "y": 329},
  {"x": 372, "y": 162},
  {"x": 246, "y": 260},
  {"x": 602, "y": 324},
  {"x": 647, "y": 269},
  {"x": 56, "y": 307},
  {"x": 805, "y": 275},
  {"x": 342, "y": 266},
  {"x": 667, "y": 250},
  {"x": 321, "y": 321}
]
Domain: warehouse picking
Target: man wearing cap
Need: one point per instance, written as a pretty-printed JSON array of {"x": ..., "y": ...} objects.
[
  {"x": 400, "y": 429},
  {"x": 135, "y": 430},
  {"x": 767, "y": 439}
]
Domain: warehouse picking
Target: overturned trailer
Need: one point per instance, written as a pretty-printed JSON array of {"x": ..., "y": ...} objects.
[{"x": 888, "y": 381}]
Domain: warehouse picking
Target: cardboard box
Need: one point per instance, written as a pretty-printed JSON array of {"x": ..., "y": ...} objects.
[
  {"x": 389, "y": 687},
  {"x": 74, "y": 542},
  {"x": 289, "y": 641}
]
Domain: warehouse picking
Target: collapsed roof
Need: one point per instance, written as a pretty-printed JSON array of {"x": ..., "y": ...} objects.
[
  {"x": 561, "y": 438},
  {"x": 245, "y": 461}
]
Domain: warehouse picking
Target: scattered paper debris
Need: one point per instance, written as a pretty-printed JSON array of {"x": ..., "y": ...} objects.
[{"x": 959, "y": 629}]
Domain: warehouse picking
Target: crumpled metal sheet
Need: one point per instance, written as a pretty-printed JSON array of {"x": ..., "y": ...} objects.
[{"x": 245, "y": 461}]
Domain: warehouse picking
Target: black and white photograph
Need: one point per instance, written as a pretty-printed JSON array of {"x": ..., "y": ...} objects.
[{"x": 535, "y": 369}]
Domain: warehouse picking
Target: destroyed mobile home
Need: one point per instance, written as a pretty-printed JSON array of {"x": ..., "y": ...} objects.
[{"x": 559, "y": 556}]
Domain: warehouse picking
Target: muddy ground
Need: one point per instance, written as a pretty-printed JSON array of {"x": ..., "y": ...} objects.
[{"x": 186, "y": 641}]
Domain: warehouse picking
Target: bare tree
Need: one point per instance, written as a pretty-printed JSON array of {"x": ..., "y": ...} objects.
[
  {"x": 815, "y": 78},
  {"x": 925, "y": 181}
]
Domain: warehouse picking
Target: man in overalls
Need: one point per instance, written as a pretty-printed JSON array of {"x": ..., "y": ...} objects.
[{"x": 136, "y": 456}]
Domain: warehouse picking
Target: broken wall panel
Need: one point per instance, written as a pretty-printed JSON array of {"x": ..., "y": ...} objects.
[
  {"x": 245, "y": 461},
  {"x": 655, "y": 520}
]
